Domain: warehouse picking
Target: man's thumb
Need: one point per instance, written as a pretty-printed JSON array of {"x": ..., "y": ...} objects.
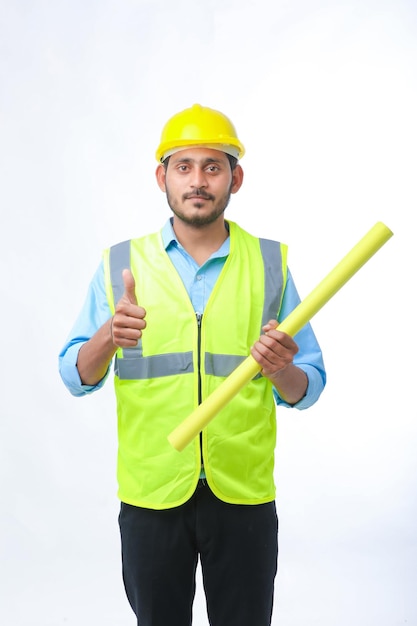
[{"x": 129, "y": 283}]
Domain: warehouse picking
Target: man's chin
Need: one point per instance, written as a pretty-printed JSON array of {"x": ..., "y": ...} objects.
[{"x": 198, "y": 221}]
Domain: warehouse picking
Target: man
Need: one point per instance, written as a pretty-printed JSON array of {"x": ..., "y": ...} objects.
[{"x": 179, "y": 310}]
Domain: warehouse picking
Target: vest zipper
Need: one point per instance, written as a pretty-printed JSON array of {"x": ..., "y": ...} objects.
[{"x": 199, "y": 317}]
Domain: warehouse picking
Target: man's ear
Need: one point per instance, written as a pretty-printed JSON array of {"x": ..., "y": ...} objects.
[
  {"x": 160, "y": 177},
  {"x": 237, "y": 179}
]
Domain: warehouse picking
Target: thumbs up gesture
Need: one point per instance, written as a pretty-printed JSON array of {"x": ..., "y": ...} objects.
[{"x": 128, "y": 320}]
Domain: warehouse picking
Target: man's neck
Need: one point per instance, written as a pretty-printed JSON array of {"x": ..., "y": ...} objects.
[{"x": 200, "y": 242}]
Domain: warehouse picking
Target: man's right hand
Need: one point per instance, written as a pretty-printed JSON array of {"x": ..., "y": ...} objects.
[{"x": 128, "y": 320}]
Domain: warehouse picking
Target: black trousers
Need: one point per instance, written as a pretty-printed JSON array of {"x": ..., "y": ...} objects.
[{"x": 238, "y": 549}]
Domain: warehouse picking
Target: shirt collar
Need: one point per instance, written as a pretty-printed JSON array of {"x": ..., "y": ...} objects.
[
  {"x": 169, "y": 238},
  {"x": 168, "y": 235}
]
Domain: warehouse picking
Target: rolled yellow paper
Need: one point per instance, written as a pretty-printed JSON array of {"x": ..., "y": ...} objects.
[{"x": 341, "y": 273}]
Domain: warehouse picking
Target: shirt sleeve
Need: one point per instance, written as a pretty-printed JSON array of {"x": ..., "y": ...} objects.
[
  {"x": 94, "y": 313},
  {"x": 309, "y": 357}
]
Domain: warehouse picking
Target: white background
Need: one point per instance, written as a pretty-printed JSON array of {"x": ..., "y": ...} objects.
[{"x": 324, "y": 97}]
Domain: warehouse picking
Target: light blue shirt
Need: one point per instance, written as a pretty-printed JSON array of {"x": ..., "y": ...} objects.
[{"x": 199, "y": 282}]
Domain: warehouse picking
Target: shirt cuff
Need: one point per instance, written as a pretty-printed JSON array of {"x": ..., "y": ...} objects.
[
  {"x": 70, "y": 376},
  {"x": 314, "y": 388}
]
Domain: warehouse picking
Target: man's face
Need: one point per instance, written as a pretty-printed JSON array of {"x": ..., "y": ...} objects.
[{"x": 198, "y": 183}]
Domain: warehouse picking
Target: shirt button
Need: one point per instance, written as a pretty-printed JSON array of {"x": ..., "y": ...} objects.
[{"x": 199, "y": 277}]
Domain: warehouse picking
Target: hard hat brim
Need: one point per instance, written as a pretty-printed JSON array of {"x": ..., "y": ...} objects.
[{"x": 166, "y": 151}]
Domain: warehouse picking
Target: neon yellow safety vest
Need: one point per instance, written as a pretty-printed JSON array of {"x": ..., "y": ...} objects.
[{"x": 179, "y": 361}]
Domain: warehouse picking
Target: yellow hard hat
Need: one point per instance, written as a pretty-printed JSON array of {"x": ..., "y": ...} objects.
[{"x": 199, "y": 126}]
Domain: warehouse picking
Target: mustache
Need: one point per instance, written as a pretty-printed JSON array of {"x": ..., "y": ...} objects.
[{"x": 199, "y": 192}]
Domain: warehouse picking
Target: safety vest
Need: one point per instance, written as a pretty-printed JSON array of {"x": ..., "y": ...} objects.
[{"x": 180, "y": 360}]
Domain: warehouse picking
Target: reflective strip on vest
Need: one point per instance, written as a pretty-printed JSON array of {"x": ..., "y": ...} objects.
[
  {"x": 130, "y": 367},
  {"x": 153, "y": 366},
  {"x": 271, "y": 255},
  {"x": 119, "y": 261},
  {"x": 221, "y": 364}
]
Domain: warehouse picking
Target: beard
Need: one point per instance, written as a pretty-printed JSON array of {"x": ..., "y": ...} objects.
[{"x": 196, "y": 219}]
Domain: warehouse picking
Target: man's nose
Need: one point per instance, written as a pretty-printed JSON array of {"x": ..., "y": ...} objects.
[{"x": 198, "y": 178}]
